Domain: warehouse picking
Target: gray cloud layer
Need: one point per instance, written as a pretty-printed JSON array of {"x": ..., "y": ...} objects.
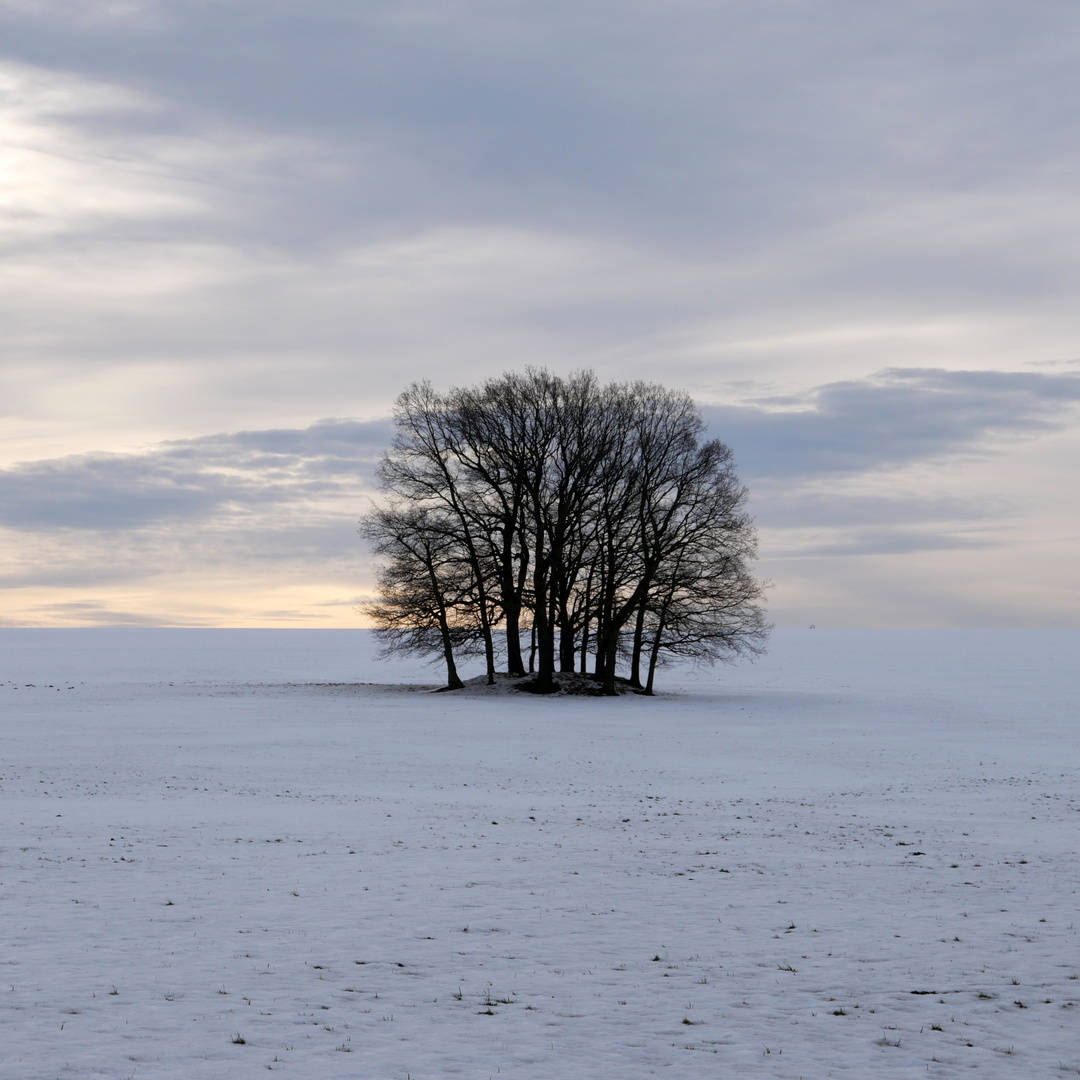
[
  {"x": 248, "y": 213},
  {"x": 192, "y": 480},
  {"x": 409, "y": 183},
  {"x": 895, "y": 418},
  {"x": 682, "y": 121},
  {"x": 844, "y": 428}
]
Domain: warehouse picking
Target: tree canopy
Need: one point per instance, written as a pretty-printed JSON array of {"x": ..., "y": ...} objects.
[{"x": 548, "y": 522}]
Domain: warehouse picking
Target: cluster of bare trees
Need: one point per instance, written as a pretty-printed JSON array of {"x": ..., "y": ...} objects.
[{"x": 550, "y": 522}]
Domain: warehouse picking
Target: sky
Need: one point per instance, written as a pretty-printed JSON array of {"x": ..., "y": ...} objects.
[{"x": 232, "y": 231}]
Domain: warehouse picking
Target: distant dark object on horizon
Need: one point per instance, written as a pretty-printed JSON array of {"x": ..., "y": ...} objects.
[{"x": 592, "y": 519}]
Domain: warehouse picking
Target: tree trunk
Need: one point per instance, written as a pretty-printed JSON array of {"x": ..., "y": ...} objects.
[
  {"x": 512, "y": 586},
  {"x": 483, "y": 608},
  {"x": 489, "y": 652},
  {"x": 512, "y": 618},
  {"x": 545, "y": 650},
  {"x": 585, "y": 620},
  {"x": 654, "y": 652},
  {"x": 610, "y": 650},
  {"x": 567, "y": 646},
  {"x": 542, "y": 628},
  {"x": 599, "y": 661},
  {"x": 485, "y": 626},
  {"x": 658, "y": 637},
  {"x": 604, "y": 612},
  {"x": 453, "y": 680},
  {"x": 635, "y": 659},
  {"x": 614, "y": 622}
]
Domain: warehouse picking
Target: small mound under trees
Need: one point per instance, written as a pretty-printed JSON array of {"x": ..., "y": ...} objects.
[{"x": 558, "y": 525}]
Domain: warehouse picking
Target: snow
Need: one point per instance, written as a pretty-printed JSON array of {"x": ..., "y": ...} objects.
[{"x": 856, "y": 857}]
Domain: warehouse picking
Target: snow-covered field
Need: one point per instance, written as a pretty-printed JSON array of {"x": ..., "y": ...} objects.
[{"x": 221, "y": 855}]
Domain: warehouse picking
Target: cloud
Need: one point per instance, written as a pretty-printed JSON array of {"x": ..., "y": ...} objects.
[
  {"x": 892, "y": 465},
  {"x": 812, "y": 461},
  {"x": 642, "y": 115},
  {"x": 203, "y": 211},
  {"x": 95, "y": 613},
  {"x": 82, "y": 13},
  {"x": 870, "y": 542},
  {"x": 860, "y": 469},
  {"x": 68, "y": 169},
  {"x": 193, "y": 480},
  {"x": 247, "y": 213},
  {"x": 891, "y": 419}
]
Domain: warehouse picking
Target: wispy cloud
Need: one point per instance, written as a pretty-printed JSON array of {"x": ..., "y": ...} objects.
[
  {"x": 247, "y": 213},
  {"x": 194, "y": 480},
  {"x": 893, "y": 418},
  {"x": 851, "y": 469},
  {"x": 812, "y": 462}
]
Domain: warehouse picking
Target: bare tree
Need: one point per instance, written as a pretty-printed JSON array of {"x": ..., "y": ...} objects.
[
  {"x": 427, "y": 600},
  {"x": 423, "y": 469},
  {"x": 596, "y": 516},
  {"x": 705, "y": 604}
]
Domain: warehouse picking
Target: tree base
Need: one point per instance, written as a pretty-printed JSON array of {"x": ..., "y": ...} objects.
[{"x": 534, "y": 686}]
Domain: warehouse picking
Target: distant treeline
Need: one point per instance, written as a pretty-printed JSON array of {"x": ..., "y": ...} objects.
[{"x": 551, "y": 521}]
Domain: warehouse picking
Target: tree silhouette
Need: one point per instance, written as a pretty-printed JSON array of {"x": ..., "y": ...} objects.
[{"x": 596, "y": 517}]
